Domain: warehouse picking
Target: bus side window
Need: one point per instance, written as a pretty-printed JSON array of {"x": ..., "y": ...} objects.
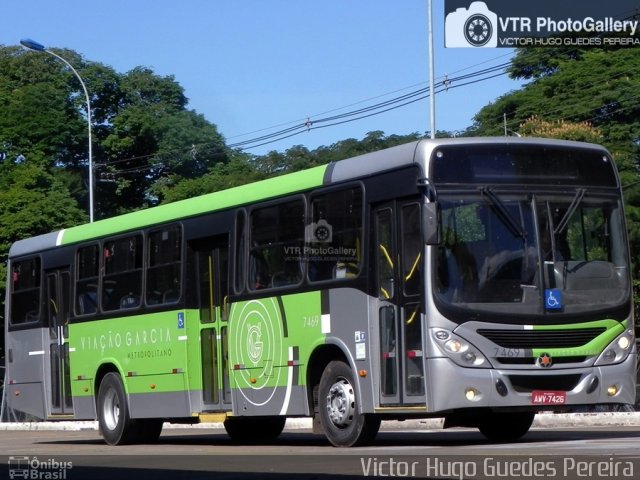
[
  {"x": 122, "y": 280},
  {"x": 334, "y": 235},
  {"x": 25, "y": 291},
  {"x": 87, "y": 270},
  {"x": 277, "y": 236},
  {"x": 164, "y": 266}
]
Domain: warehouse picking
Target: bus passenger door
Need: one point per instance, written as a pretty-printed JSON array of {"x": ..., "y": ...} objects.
[
  {"x": 212, "y": 259},
  {"x": 57, "y": 315},
  {"x": 399, "y": 282}
]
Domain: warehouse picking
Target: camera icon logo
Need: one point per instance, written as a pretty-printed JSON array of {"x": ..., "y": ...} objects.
[
  {"x": 320, "y": 232},
  {"x": 472, "y": 27}
]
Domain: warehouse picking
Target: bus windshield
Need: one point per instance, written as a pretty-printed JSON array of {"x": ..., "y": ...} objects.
[{"x": 531, "y": 254}]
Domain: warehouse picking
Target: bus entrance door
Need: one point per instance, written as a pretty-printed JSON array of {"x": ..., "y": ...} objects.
[
  {"x": 212, "y": 258},
  {"x": 58, "y": 381},
  {"x": 400, "y": 283}
]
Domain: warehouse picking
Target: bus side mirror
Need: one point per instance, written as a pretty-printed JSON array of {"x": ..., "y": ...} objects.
[{"x": 431, "y": 222}]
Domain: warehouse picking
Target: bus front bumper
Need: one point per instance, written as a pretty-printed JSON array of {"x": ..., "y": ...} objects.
[{"x": 454, "y": 387}]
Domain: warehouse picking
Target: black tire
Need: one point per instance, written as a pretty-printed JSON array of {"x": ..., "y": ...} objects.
[
  {"x": 254, "y": 429},
  {"x": 343, "y": 424},
  {"x": 505, "y": 427},
  {"x": 116, "y": 426}
]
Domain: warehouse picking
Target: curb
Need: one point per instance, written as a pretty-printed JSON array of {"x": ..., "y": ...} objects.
[{"x": 542, "y": 420}]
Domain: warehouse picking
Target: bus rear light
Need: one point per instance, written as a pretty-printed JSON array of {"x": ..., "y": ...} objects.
[{"x": 414, "y": 353}]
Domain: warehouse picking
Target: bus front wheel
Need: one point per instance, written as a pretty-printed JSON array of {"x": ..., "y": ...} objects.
[
  {"x": 343, "y": 424},
  {"x": 116, "y": 425}
]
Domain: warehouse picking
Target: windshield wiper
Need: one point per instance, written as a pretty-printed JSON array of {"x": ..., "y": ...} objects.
[
  {"x": 575, "y": 203},
  {"x": 512, "y": 225}
]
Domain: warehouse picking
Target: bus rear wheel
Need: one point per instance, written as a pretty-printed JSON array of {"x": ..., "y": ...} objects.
[
  {"x": 343, "y": 424},
  {"x": 505, "y": 427},
  {"x": 259, "y": 429},
  {"x": 115, "y": 423}
]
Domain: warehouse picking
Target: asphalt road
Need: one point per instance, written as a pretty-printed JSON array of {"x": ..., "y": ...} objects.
[{"x": 594, "y": 452}]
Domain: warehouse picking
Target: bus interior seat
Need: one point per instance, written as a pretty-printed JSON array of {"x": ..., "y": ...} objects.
[
  {"x": 170, "y": 296},
  {"x": 130, "y": 301},
  {"x": 87, "y": 303}
]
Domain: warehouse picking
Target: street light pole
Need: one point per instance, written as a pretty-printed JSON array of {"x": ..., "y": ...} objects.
[
  {"x": 432, "y": 82},
  {"x": 37, "y": 47}
]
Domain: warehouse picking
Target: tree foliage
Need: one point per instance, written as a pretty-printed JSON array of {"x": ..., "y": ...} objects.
[{"x": 560, "y": 129}]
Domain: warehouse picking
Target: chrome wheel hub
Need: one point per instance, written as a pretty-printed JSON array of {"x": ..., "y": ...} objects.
[
  {"x": 341, "y": 403},
  {"x": 111, "y": 410}
]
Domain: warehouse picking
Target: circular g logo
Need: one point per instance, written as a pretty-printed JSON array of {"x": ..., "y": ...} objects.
[{"x": 254, "y": 343}]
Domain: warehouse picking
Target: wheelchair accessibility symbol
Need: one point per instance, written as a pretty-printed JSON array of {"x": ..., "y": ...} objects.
[{"x": 553, "y": 299}]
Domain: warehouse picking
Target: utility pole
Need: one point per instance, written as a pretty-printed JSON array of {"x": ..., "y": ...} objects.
[{"x": 432, "y": 81}]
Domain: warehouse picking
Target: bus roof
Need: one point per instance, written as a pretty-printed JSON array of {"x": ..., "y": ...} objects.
[{"x": 336, "y": 172}]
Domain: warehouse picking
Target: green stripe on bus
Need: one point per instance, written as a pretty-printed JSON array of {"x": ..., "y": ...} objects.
[
  {"x": 245, "y": 194},
  {"x": 594, "y": 347}
]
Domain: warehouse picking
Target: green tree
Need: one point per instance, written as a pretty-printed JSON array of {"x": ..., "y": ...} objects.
[
  {"x": 560, "y": 129},
  {"x": 32, "y": 202}
]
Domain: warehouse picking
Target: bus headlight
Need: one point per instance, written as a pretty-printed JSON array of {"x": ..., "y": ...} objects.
[
  {"x": 618, "y": 350},
  {"x": 458, "y": 349}
]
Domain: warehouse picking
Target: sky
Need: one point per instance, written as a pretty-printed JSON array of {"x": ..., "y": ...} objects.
[{"x": 253, "y": 67}]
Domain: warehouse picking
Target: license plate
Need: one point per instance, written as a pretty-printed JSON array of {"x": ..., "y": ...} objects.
[{"x": 546, "y": 397}]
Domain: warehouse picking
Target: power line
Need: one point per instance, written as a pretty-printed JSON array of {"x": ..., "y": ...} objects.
[{"x": 307, "y": 125}]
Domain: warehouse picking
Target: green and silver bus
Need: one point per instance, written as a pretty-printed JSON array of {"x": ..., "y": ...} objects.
[{"x": 477, "y": 279}]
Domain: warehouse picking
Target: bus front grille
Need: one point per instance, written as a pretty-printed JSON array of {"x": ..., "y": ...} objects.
[{"x": 541, "y": 338}]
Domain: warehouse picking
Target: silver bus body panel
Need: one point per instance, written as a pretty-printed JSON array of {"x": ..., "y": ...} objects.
[{"x": 28, "y": 371}]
